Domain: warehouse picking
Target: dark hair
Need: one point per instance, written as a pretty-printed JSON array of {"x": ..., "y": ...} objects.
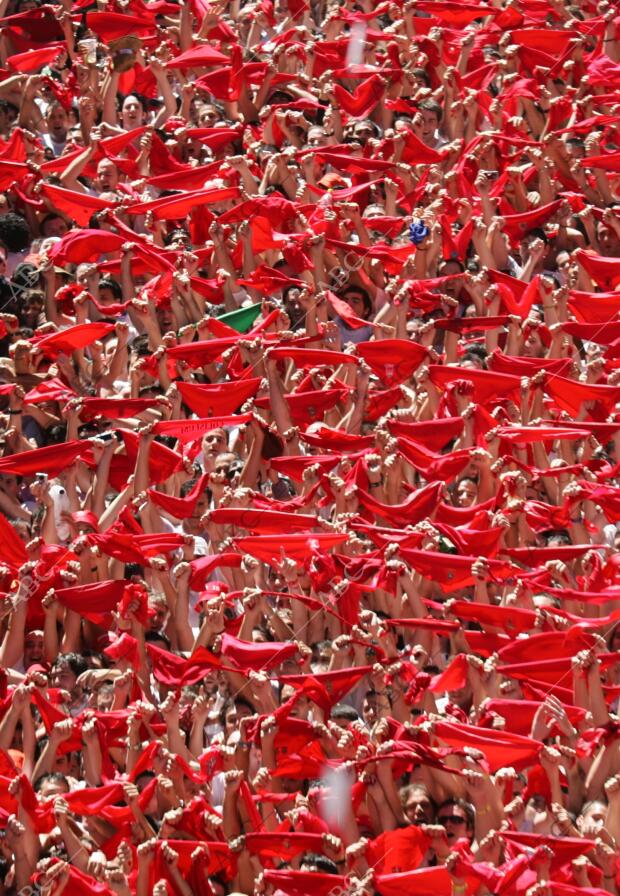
[
  {"x": 175, "y": 234},
  {"x": 319, "y": 861},
  {"x": 75, "y": 661},
  {"x": 113, "y": 285},
  {"x": 7, "y": 106},
  {"x": 359, "y": 291},
  {"x": 157, "y": 636},
  {"x": 54, "y": 435},
  {"x": 55, "y": 777},
  {"x": 422, "y": 75},
  {"x": 344, "y": 712},
  {"x": 536, "y": 233},
  {"x": 14, "y": 232},
  {"x": 431, "y": 106},
  {"x": 467, "y": 808}
]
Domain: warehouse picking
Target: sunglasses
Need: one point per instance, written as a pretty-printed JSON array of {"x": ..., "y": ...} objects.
[
  {"x": 230, "y": 474},
  {"x": 455, "y": 819}
]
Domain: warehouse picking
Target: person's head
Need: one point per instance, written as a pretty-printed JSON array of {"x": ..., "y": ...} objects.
[
  {"x": 466, "y": 493},
  {"x": 314, "y": 862},
  {"x": 208, "y": 115},
  {"x": 231, "y": 714},
  {"x": 575, "y": 147},
  {"x": 33, "y": 648},
  {"x": 365, "y": 130},
  {"x": 178, "y": 239},
  {"x": 458, "y": 818},
  {"x": 214, "y": 442},
  {"x": 9, "y": 484},
  {"x": 431, "y": 113},
  {"x": 227, "y": 466},
  {"x": 358, "y": 299},
  {"x": 14, "y": 232},
  {"x": 533, "y": 345},
  {"x": 158, "y": 612},
  {"x": 107, "y": 176},
  {"x": 57, "y": 122},
  {"x": 344, "y": 715},
  {"x": 608, "y": 239},
  {"x": 293, "y": 308},
  {"x": 192, "y": 523},
  {"x": 133, "y": 112},
  {"x": 531, "y": 242},
  {"x": 32, "y": 305},
  {"x": 316, "y": 136},
  {"x": 592, "y": 818},
  {"x": 53, "y": 225},
  {"x": 370, "y": 708},
  {"x": 158, "y": 639},
  {"x": 66, "y": 669},
  {"x": 8, "y": 115},
  {"x": 110, "y": 291},
  {"x": 420, "y": 78},
  {"x": 562, "y": 262},
  {"x": 613, "y": 638},
  {"x": 418, "y": 805},
  {"x": 104, "y": 697},
  {"x": 321, "y": 656},
  {"x": 51, "y": 785}
]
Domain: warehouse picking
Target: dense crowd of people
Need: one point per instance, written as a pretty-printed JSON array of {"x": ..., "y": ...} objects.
[{"x": 310, "y": 448}]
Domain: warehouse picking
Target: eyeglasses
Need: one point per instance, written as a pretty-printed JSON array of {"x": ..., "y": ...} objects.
[{"x": 455, "y": 819}]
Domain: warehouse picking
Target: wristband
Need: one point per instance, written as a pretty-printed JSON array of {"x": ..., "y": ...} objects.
[{"x": 12, "y": 413}]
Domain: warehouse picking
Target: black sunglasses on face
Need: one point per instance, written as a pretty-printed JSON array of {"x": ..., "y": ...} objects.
[{"x": 455, "y": 819}]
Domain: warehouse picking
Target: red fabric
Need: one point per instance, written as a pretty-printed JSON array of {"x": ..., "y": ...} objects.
[
  {"x": 13, "y": 549},
  {"x": 501, "y": 749},
  {"x": 80, "y": 207},
  {"x": 114, "y": 408},
  {"x": 33, "y": 59},
  {"x": 192, "y": 429},
  {"x": 198, "y": 57},
  {"x": 397, "y": 850},
  {"x": 487, "y": 384},
  {"x": 262, "y": 521},
  {"x": 311, "y": 357},
  {"x": 218, "y": 400},
  {"x": 393, "y": 360},
  {"x": 298, "y": 546},
  {"x": 74, "y": 338},
  {"x": 181, "y": 508},
  {"x": 363, "y": 100},
  {"x": 52, "y": 459},
  {"x": 451, "y": 571},
  {"x": 94, "y": 602}
]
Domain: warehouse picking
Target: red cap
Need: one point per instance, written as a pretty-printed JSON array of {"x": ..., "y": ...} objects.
[{"x": 87, "y": 517}]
